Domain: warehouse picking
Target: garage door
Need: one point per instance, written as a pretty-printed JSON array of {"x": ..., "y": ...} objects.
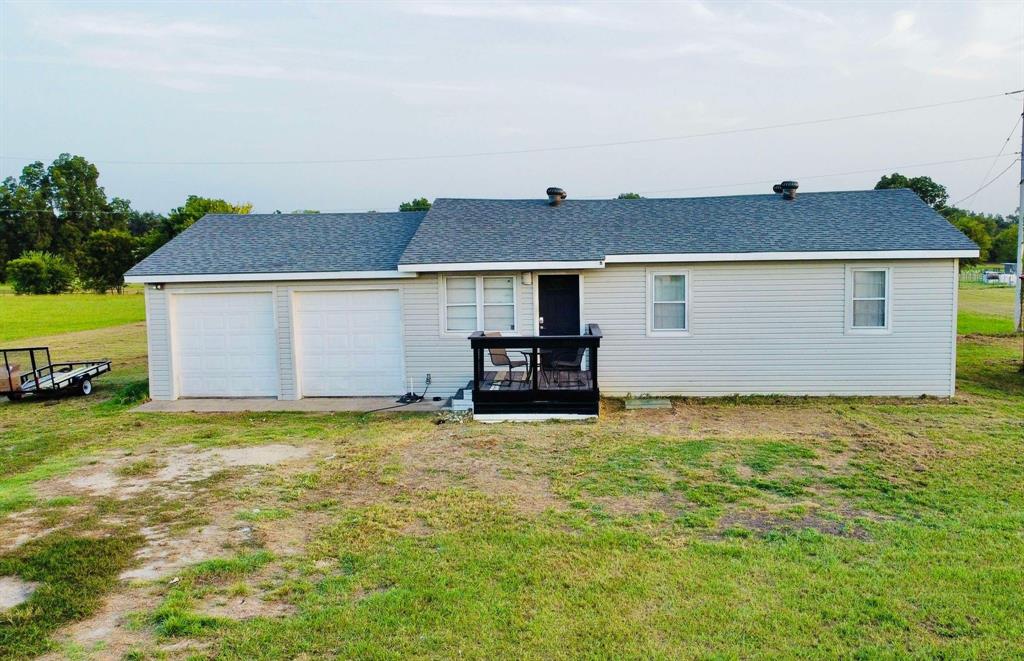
[
  {"x": 225, "y": 345},
  {"x": 349, "y": 343}
]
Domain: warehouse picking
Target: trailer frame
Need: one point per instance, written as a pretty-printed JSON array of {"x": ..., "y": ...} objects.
[{"x": 47, "y": 377}]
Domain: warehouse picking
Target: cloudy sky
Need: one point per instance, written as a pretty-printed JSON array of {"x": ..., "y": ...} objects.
[{"x": 265, "y": 102}]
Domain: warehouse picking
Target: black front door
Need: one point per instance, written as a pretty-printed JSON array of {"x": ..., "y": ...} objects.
[{"x": 558, "y": 298}]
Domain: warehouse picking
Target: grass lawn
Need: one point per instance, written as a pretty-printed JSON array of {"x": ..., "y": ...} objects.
[
  {"x": 986, "y": 309},
  {"x": 31, "y": 316},
  {"x": 789, "y": 527}
]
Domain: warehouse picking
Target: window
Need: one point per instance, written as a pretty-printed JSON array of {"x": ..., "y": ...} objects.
[
  {"x": 460, "y": 304},
  {"x": 869, "y": 299},
  {"x": 668, "y": 306},
  {"x": 479, "y": 303},
  {"x": 499, "y": 304}
]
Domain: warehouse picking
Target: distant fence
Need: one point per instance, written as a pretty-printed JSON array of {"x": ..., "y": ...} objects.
[{"x": 972, "y": 274}]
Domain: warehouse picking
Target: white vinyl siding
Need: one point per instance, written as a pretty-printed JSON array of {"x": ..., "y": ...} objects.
[
  {"x": 776, "y": 328},
  {"x": 754, "y": 327},
  {"x": 158, "y": 341},
  {"x": 446, "y": 357}
]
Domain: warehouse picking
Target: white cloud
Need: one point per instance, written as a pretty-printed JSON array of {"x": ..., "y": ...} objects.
[{"x": 133, "y": 26}]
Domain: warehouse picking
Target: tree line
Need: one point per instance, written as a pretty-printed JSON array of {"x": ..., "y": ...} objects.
[
  {"x": 995, "y": 235},
  {"x": 58, "y": 228}
]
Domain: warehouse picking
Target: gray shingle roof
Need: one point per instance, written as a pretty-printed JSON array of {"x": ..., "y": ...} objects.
[
  {"x": 460, "y": 230},
  {"x": 285, "y": 243}
]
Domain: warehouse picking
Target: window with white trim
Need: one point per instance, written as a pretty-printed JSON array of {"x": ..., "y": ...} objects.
[
  {"x": 668, "y": 304},
  {"x": 485, "y": 303},
  {"x": 870, "y": 299}
]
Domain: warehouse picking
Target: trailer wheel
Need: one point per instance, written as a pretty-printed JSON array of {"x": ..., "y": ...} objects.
[{"x": 86, "y": 386}]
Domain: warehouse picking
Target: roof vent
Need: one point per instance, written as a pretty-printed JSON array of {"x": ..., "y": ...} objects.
[
  {"x": 555, "y": 196},
  {"x": 787, "y": 188}
]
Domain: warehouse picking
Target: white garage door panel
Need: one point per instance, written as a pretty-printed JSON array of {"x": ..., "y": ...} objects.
[
  {"x": 349, "y": 343},
  {"x": 225, "y": 345}
]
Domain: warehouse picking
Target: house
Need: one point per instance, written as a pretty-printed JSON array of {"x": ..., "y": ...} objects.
[{"x": 834, "y": 293}]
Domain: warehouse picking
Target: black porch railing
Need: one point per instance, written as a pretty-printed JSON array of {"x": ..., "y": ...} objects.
[{"x": 554, "y": 374}]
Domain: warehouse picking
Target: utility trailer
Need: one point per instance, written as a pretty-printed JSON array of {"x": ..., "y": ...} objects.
[{"x": 29, "y": 371}]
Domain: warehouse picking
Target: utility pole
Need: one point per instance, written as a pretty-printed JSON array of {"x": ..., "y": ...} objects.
[{"x": 1020, "y": 234}]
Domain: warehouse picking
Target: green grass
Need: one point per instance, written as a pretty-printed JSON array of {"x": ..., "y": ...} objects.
[
  {"x": 73, "y": 574},
  {"x": 33, "y": 316},
  {"x": 985, "y": 309},
  {"x": 731, "y": 528}
]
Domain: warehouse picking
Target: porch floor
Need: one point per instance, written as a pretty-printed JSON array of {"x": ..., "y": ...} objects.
[{"x": 547, "y": 380}]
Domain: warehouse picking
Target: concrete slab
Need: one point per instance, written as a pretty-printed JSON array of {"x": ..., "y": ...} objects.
[
  {"x": 266, "y": 404},
  {"x": 647, "y": 403}
]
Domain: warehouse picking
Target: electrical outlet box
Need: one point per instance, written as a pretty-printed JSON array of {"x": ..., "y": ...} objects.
[{"x": 428, "y": 379}]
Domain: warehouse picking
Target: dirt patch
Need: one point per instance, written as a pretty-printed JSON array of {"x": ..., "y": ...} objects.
[
  {"x": 785, "y": 421},
  {"x": 181, "y": 467},
  {"x": 245, "y": 608},
  {"x": 22, "y": 527},
  {"x": 641, "y": 503},
  {"x": 476, "y": 463},
  {"x": 764, "y": 524},
  {"x": 109, "y": 629},
  {"x": 14, "y": 591},
  {"x": 164, "y": 554}
]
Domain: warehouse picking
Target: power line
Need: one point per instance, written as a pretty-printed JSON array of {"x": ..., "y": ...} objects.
[
  {"x": 984, "y": 186},
  {"x": 993, "y": 164},
  {"x": 561, "y": 148},
  {"x": 814, "y": 176}
]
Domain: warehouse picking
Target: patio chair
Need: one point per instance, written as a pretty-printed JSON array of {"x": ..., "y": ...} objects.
[
  {"x": 567, "y": 363},
  {"x": 499, "y": 358}
]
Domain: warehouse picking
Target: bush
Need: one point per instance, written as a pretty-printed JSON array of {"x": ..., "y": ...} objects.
[{"x": 40, "y": 273}]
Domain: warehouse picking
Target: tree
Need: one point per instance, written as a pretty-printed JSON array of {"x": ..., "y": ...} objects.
[
  {"x": 1004, "y": 246},
  {"x": 141, "y": 223},
  {"x": 106, "y": 256},
  {"x": 932, "y": 193},
  {"x": 26, "y": 220},
  {"x": 630, "y": 196},
  {"x": 181, "y": 218},
  {"x": 419, "y": 204},
  {"x": 975, "y": 231},
  {"x": 38, "y": 272},
  {"x": 79, "y": 203}
]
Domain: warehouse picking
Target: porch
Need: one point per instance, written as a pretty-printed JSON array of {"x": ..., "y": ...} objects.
[{"x": 536, "y": 375}]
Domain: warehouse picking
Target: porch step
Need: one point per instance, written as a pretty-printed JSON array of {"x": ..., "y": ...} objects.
[{"x": 463, "y": 399}]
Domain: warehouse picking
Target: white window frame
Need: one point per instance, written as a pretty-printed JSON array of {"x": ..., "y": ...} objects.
[
  {"x": 868, "y": 330},
  {"x": 687, "y": 304},
  {"x": 479, "y": 280}
]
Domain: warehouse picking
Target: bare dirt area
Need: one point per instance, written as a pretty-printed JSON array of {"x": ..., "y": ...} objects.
[
  {"x": 454, "y": 460},
  {"x": 701, "y": 419},
  {"x": 14, "y": 591},
  {"x": 108, "y": 633},
  {"x": 175, "y": 470}
]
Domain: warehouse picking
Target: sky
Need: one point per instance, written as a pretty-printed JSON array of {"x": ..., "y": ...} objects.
[{"x": 246, "y": 101}]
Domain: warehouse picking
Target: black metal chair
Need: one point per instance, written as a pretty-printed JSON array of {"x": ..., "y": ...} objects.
[
  {"x": 567, "y": 363},
  {"x": 500, "y": 358}
]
